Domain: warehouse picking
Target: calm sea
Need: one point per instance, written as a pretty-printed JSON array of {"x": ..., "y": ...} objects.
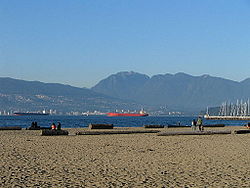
[{"x": 84, "y": 121}]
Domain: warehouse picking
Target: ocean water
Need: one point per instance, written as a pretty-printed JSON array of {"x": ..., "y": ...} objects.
[{"x": 84, "y": 121}]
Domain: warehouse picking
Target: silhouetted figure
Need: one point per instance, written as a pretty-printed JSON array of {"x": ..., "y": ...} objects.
[
  {"x": 59, "y": 126},
  {"x": 32, "y": 125},
  {"x": 35, "y": 124}
]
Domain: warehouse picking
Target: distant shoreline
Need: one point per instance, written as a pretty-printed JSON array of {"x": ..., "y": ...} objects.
[{"x": 227, "y": 117}]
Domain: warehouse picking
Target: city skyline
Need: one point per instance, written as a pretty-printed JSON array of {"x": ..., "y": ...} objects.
[{"x": 82, "y": 42}]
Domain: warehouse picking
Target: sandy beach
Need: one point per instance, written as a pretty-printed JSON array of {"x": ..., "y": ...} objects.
[{"x": 130, "y": 160}]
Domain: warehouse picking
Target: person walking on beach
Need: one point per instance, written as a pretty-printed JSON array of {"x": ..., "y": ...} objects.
[
  {"x": 199, "y": 123},
  {"x": 193, "y": 125}
]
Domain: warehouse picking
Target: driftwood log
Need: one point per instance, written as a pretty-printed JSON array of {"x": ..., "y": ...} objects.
[
  {"x": 101, "y": 126},
  {"x": 11, "y": 128},
  {"x": 38, "y": 128},
  {"x": 242, "y": 131},
  {"x": 193, "y": 133},
  {"x": 178, "y": 126},
  {"x": 214, "y": 125},
  {"x": 185, "y": 126},
  {"x": 153, "y": 126},
  {"x": 46, "y": 132},
  {"x": 115, "y": 132}
]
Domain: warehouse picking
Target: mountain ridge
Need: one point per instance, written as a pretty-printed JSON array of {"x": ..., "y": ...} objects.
[
  {"x": 124, "y": 90},
  {"x": 178, "y": 91},
  {"x": 21, "y": 95}
]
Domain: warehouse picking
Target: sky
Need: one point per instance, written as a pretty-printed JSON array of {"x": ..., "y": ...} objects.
[{"x": 80, "y": 42}]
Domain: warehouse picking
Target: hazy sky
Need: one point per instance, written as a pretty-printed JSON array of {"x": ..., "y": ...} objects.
[{"x": 80, "y": 42}]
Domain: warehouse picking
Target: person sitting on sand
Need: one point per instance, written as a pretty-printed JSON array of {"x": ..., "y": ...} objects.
[
  {"x": 248, "y": 125},
  {"x": 32, "y": 125},
  {"x": 193, "y": 125},
  {"x": 35, "y": 125},
  {"x": 53, "y": 126},
  {"x": 199, "y": 124},
  {"x": 59, "y": 126}
]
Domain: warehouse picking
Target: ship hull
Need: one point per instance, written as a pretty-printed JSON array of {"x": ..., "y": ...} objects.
[
  {"x": 30, "y": 114},
  {"x": 126, "y": 115}
]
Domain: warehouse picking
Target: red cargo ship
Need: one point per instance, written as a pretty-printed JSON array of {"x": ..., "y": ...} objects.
[{"x": 115, "y": 114}]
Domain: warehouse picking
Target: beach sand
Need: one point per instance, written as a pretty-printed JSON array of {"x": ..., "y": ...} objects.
[{"x": 130, "y": 160}]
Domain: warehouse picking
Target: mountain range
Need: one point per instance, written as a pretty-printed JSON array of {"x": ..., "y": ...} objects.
[
  {"x": 20, "y": 95},
  {"x": 124, "y": 90},
  {"x": 176, "y": 91}
]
